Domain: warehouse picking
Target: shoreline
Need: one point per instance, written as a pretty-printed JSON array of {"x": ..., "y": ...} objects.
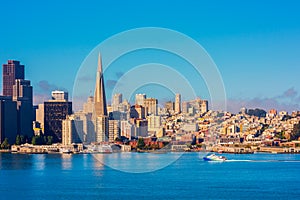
[{"x": 153, "y": 152}]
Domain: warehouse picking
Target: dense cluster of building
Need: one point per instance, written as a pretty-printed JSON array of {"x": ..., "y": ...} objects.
[
  {"x": 96, "y": 123},
  {"x": 100, "y": 123},
  {"x": 182, "y": 124}
]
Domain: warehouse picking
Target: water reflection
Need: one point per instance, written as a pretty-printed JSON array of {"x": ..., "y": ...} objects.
[
  {"x": 15, "y": 161},
  {"x": 98, "y": 166},
  {"x": 38, "y": 161},
  {"x": 66, "y": 161},
  {"x": 98, "y": 161},
  {"x": 85, "y": 161}
]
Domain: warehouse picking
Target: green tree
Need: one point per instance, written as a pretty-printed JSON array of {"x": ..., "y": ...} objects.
[
  {"x": 140, "y": 143},
  {"x": 45, "y": 139},
  {"x": 18, "y": 140},
  {"x": 5, "y": 144},
  {"x": 49, "y": 140},
  {"x": 37, "y": 140},
  {"x": 33, "y": 140}
]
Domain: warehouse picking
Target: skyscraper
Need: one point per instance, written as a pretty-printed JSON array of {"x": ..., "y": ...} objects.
[
  {"x": 8, "y": 119},
  {"x": 40, "y": 116},
  {"x": 99, "y": 97},
  {"x": 22, "y": 94},
  {"x": 100, "y": 112},
  {"x": 72, "y": 130},
  {"x": 185, "y": 107},
  {"x": 55, "y": 111},
  {"x": 11, "y": 71},
  {"x": 114, "y": 130},
  {"x": 139, "y": 99},
  {"x": 169, "y": 105},
  {"x": 59, "y": 95},
  {"x": 117, "y": 100},
  {"x": 204, "y": 106},
  {"x": 150, "y": 106},
  {"x": 137, "y": 112},
  {"x": 178, "y": 103},
  {"x": 88, "y": 107}
]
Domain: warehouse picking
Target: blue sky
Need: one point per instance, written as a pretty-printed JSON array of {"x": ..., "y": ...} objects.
[{"x": 255, "y": 44}]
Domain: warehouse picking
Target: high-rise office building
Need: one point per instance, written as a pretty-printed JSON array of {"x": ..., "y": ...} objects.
[
  {"x": 150, "y": 106},
  {"x": 185, "y": 107},
  {"x": 116, "y": 101},
  {"x": 89, "y": 106},
  {"x": 99, "y": 97},
  {"x": 72, "y": 130},
  {"x": 8, "y": 119},
  {"x": 55, "y": 111},
  {"x": 139, "y": 99},
  {"x": 125, "y": 106},
  {"x": 114, "y": 130},
  {"x": 199, "y": 105},
  {"x": 154, "y": 123},
  {"x": 137, "y": 112},
  {"x": 140, "y": 128},
  {"x": 59, "y": 95},
  {"x": 178, "y": 103},
  {"x": 204, "y": 106},
  {"x": 39, "y": 113},
  {"x": 11, "y": 71},
  {"x": 100, "y": 116},
  {"x": 88, "y": 135},
  {"x": 169, "y": 105},
  {"x": 127, "y": 129},
  {"x": 20, "y": 91},
  {"x": 22, "y": 94}
]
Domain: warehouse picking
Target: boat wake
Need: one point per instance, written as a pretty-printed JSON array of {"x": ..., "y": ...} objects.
[
  {"x": 239, "y": 160},
  {"x": 292, "y": 161}
]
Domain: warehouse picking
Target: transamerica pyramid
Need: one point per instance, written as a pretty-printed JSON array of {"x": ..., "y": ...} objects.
[
  {"x": 100, "y": 112},
  {"x": 99, "y": 97}
]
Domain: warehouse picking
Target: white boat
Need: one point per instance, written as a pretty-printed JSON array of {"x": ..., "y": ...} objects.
[{"x": 213, "y": 157}]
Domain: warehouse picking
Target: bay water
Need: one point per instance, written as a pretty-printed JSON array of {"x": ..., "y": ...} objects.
[{"x": 148, "y": 176}]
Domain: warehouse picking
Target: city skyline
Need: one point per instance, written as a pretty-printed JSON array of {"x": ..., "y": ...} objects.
[
  {"x": 99, "y": 93},
  {"x": 255, "y": 52},
  {"x": 150, "y": 99}
]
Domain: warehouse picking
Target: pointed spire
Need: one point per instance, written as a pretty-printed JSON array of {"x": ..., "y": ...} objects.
[
  {"x": 99, "y": 97},
  {"x": 99, "y": 63}
]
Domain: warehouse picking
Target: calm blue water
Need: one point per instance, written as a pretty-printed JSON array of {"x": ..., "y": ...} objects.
[{"x": 257, "y": 176}]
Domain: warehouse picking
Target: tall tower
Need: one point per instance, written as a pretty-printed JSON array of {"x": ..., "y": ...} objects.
[
  {"x": 100, "y": 112},
  {"x": 178, "y": 103},
  {"x": 11, "y": 71},
  {"x": 22, "y": 94},
  {"x": 139, "y": 99},
  {"x": 19, "y": 91},
  {"x": 151, "y": 106},
  {"x": 99, "y": 97},
  {"x": 117, "y": 100},
  {"x": 55, "y": 111}
]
